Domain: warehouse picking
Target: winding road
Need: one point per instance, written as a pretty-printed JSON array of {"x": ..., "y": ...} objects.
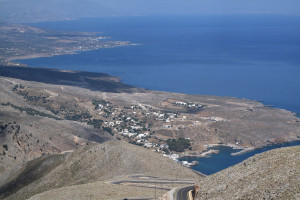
[
  {"x": 182, "y": 193},
  {"x": 158, "y": 183}
]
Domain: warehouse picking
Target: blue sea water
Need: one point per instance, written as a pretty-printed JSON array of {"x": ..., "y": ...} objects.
[
  {"x": 246, "y": 56},
  {"x": 223, "y": 159}
]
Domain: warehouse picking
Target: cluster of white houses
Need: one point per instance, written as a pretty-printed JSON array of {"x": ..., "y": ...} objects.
[
  {"x": 126, "y": 133},
  {"x": 175, "y": 157},
  {"x": 189, "y": 104},
  {"x": 126, "y": 118},
  {"x": 133, "y": 124}
]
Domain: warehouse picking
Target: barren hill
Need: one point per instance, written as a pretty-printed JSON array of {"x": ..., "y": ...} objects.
[
  {"x": 271, "y": 175},
  {"x": 98, "y": 162}
]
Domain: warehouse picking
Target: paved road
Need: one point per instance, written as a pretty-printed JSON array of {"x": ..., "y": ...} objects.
[
  {"x": 159, "y": 183},
  {"x": 153, "y": 182},
  {"x": 182, "y": 193}
]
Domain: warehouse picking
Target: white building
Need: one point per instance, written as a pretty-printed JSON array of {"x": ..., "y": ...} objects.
[
  {"x": 142, "y": 135},
  {"x": 131, "y": 134},
  {"x": 148, "y": 145}
]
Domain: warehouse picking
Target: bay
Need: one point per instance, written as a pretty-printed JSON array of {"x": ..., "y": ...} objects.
[{"x": 222, "y": 160}]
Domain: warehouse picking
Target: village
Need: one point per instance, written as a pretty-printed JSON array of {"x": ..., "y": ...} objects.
[{"x": 137, "y": 125}]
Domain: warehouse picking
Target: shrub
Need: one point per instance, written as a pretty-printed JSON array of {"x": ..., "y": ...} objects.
[
  {"x": 97, "y": 123},
  {"x": 179, "y": 145},
  {"x": 107, "y": 129},
  {"x": 5, "y": 147}
]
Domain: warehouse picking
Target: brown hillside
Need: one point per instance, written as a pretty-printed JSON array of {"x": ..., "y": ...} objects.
[
  {"x": 271, "y": 175},
  {"x": 103, "y": 162}
]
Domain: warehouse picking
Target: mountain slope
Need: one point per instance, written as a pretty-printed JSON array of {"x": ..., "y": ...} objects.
[
  {"x": 102, "y": 162},
  {"x": 28, "y": 132},
  {"x": 271, "y": 175}
]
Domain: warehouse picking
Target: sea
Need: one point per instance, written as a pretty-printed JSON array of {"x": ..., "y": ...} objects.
[
  {"x": 222, "y": 160},
  {"x": 255, "y": 56}
]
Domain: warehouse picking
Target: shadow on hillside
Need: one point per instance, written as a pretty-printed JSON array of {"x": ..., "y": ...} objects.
[
  {"x": 89, "y": 80},
  {"x": 33, "y": 170}
]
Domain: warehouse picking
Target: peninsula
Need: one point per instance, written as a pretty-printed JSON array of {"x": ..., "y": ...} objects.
[{"x": 22, "y": 41}]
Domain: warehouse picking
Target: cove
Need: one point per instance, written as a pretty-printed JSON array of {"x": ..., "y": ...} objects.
[{"x": 222, "y": 160}]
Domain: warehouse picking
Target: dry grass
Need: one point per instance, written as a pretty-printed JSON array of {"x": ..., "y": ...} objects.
[
  {"x": 98, "y": 191},
  {"x": 101, "y": 163}
]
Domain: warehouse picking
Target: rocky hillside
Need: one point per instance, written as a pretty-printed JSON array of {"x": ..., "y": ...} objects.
[
  {"x": 28, "y": 132},
  {"x": 98, "y": 162},
  {"x": 271, "y": 175}
]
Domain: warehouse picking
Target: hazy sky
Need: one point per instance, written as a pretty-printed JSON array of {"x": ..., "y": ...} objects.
[
  {"x": 205, "y": 6},
  {"x": 43, "y": 10}
]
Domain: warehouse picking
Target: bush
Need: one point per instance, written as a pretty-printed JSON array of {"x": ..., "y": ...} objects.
[
  {"x": 31, "y": 111},
  {"x": 97, "y": 102},
  {"x": 179, "y": 145},
  {"x": 166, "y": 150},
  {"x": 78, "y": 117},
  {"x": 97, "y": 123},
  {"x": 5, "y": 147},
  {"x": 107, "y": 129}
]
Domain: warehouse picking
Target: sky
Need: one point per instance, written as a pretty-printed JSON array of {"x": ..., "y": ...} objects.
[{"x": 48, "y": 10}]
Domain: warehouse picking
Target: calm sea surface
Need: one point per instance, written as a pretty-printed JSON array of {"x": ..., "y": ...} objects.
[
  {"x": 253, "y": 57},
  {"x": 248, "y": 56},
  {"x": 224, "y": 159}
]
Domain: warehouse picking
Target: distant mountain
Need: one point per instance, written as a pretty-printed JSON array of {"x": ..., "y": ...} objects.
[
  {"x": 54, "y": 10},
  {"x": 271, "y": 175},
  {"x": 40, "y": 10}
]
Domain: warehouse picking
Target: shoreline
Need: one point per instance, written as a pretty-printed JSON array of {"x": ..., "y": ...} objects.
[
  {"x": 49, "y": 55},
  {"x": 243, "y": 150},
  {"x": 205, "y": 154},
  {"x": 208, "y": 152},
  {"x": 39, "y": 55},
  {"x": 128, "y": 43},
  {"x": 201, "y": 155}
]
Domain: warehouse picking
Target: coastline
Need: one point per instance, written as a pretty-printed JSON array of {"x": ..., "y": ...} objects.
[
  {"x": 243, "y": 150},
  {"x": 39, "y": 55},
  {"x": 208, "y": 152},
  {"x": 226, "y": 159},
  {"x": 48, "y": 55},
  {"x": 201, "y": 155}
]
